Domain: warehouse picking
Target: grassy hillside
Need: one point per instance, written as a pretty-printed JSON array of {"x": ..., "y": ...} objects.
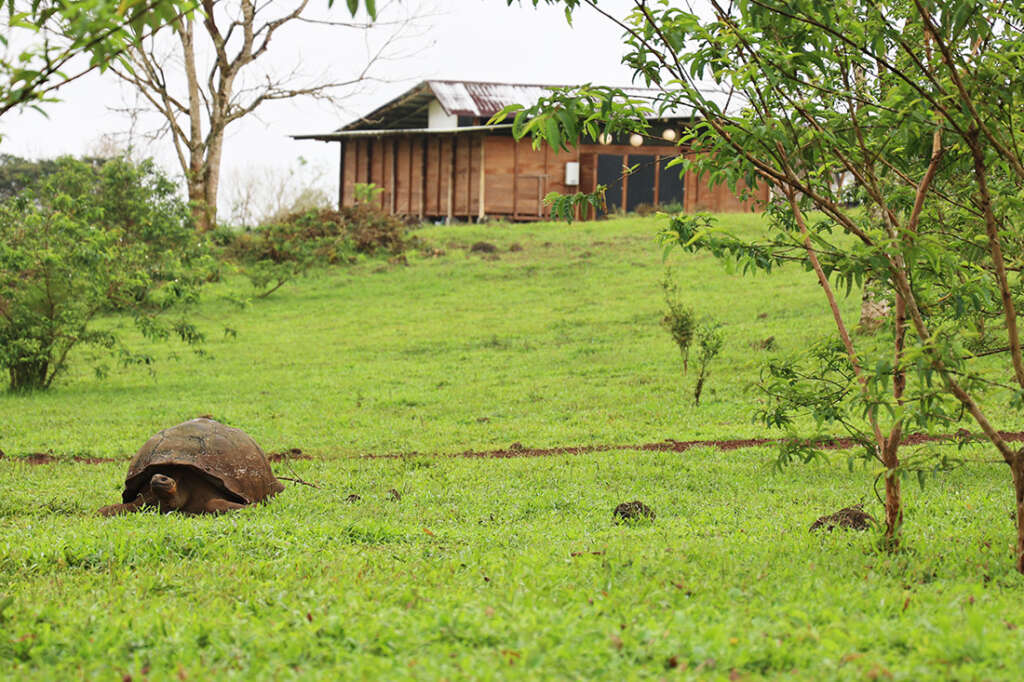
[
  {"x": 558, "y": 343},
  {"x": 489, "y": 568}
]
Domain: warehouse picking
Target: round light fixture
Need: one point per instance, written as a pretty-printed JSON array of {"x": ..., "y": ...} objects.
[
  {"x": 636, "y": 139},
  {"x": 669, "y": 134},
  {"x": 605, "y": 138}
]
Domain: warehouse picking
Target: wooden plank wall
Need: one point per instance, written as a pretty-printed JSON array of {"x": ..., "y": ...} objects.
[
  {"x": 699, "y": 195},
  {"x": 516, "y": 176},
  {"x": 393, "y": 164}
]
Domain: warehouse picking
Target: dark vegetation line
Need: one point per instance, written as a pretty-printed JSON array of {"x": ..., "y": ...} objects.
[{"x": 519, "y": 450}]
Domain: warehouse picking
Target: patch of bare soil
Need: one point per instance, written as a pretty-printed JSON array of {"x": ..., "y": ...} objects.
[
  {"x": 291, "y": 453},
  {"x": 671, "y": 445},
  {"x": 37, "y": 458}
]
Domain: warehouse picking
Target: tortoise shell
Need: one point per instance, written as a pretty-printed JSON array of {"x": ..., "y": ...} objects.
[{"x": 227, "y": 457}]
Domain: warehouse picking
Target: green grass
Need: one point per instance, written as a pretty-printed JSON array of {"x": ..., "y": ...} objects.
[
  {"x": 556, "y": 344},
  {"x": 485, "y": 568}
]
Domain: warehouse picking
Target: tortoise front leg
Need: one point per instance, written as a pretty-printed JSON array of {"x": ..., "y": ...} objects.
[
  {"x": 126, "y": 508},
  {"x": 219, "y": 505}
]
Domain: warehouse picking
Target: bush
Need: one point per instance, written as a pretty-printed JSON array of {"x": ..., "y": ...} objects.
[
  {"x": 709, "y": 343},
  {"x": 85, "y": 240},
  {"x": 332, "y": 236},
  {"x": 274, "y": 254},
  {"x": 681, "y": 323},
  {"x": 18, "y": 174}
]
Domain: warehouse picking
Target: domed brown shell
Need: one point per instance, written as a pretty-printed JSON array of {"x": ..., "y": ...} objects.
[{"x": 228, "y": 457}]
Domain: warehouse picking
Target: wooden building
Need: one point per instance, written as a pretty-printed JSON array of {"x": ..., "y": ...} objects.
[{"x": 431, "y": 153}]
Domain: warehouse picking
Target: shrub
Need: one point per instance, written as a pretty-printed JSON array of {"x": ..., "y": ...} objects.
[
  {"x": 679, "y": 320},
  {"x": 681, "y": 323},
  {"x": 709, "y": 343},
  {"x": 85, "y": 240},
  {"x": 275, "y": 254}
]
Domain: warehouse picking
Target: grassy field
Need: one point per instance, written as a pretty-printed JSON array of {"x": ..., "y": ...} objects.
[
  {"x": 489, "y": 568},
  {"x": 556, "y": 344}
]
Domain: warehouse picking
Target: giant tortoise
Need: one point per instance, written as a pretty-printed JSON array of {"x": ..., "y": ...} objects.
[{"x": 199, "y": 467}]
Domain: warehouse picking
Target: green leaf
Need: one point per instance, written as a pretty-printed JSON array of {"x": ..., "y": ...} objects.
[{"x": 551, "y": 132}]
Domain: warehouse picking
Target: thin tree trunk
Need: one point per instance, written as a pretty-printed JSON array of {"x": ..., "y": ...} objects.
[
  {"x": 890, "y": 457},
  {"x": 1017, "y": 467},
  {"x": 893, "y": 511},
  {"x": 893, "y": 500}
]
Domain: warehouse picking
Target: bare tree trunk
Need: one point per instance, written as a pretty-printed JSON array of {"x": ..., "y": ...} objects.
[
  {"x": 201, "y": 215},
  {"x": 1017, "y": 467},
  {"x": 890, "y": 456},
  {"x": 893, "y": 511},
  {"x": 214, "y": 153},
  {"x": 198, "y": 171},
  {"x": 893, "y": 501},
  {"x": 202, "y": 190}
]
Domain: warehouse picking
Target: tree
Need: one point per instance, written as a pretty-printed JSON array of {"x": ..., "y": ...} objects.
[
  {"x": 88, "y": 241},
  {"x": 919, "y": 102},
  {"x": 17, "y": 174},
  {"x": 54, "y": 35},
  {"x": 199, "y": 103}
]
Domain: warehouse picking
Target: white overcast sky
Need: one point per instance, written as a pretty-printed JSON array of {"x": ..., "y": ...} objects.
[{"x": 465, "y": 39}]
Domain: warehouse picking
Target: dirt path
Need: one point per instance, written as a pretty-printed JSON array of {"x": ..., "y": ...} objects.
[
  {"x": 670, "y": 445},
  {"x": 519, "y": 450}
]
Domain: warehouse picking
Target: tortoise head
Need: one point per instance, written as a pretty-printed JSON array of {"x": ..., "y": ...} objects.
[{"x": 167, "y": 491}]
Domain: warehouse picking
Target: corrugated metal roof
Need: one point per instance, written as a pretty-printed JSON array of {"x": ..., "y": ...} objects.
[
  {"x": 473, "y": 99},
  {"x": 466, "y": 98}
]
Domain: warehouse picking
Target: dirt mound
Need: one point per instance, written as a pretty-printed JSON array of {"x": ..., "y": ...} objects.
[
  {"x": 632, "y": 512},
  {"x": 853, "y": 518},
  {"x": 483, "y": 247}
]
